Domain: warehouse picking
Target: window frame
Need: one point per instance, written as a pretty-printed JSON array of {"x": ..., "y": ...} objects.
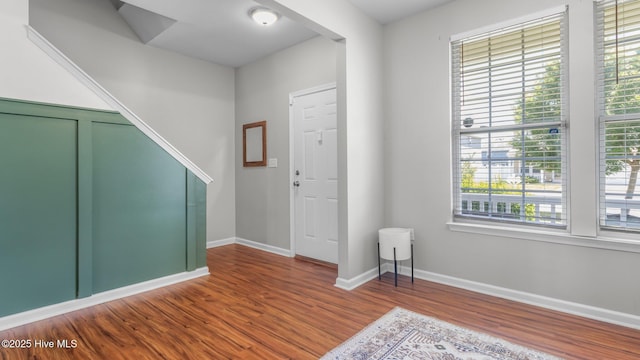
[
  {"x": 603, "y": 119},
  {"x": 459, "y": 133}
]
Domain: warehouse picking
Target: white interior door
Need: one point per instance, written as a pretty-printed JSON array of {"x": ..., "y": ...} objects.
[{"x": 316, "y": 175}]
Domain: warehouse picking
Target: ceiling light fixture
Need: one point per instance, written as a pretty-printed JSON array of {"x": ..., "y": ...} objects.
[{"x": 263, "y": 16}]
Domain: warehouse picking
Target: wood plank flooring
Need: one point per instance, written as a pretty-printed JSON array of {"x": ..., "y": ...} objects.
[{"x": 257, "y": 305}]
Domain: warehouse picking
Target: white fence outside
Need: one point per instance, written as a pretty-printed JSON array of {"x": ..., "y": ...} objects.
[{"x": 546, "y": 209}]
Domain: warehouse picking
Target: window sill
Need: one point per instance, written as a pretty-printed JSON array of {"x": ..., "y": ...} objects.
[{"x": 608, "y": 242}]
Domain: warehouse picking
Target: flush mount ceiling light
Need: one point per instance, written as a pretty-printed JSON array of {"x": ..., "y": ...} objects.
[{"x": 263, "y": 16}]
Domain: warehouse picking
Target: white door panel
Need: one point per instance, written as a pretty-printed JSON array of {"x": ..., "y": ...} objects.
[{"x": 316, "y": 163}]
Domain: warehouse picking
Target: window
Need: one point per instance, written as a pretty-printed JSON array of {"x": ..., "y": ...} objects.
[
  {"x": 618, "y": 103},
  {"x": 509, "y": 95}
]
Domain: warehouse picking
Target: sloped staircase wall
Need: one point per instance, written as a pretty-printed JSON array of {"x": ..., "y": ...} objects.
[{"x": 88, "y": 204}]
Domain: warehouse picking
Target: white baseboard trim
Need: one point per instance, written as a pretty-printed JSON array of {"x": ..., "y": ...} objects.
[
  {"x": 350, "y": 284},
  {"x": 222, "y": 242},
  {"x": 252, "y": 244},
  {"x": 42, "y": 313},
  {"x": 268, "y": 248},
  {"x": 587, "y": 311}
]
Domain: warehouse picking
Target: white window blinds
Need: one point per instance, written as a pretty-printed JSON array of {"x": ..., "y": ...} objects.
[
  {"x": 618, "y": 88},
  {"x": 509, "y": 114}
]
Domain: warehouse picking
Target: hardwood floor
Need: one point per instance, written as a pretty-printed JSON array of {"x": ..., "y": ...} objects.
[{"x": 257, "y": 305}]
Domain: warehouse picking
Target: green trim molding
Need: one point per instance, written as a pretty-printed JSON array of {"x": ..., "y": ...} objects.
[{"x": 88, "y": 203}]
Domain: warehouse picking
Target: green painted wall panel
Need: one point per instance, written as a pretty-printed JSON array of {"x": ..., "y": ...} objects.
[
  {"x": 192, "y": 228},
  {"x": 23, "y": 107},
  {"x": 88, "y": 204},
  {"x": 85, "y": 209},
  {"x": 201, "y": 222},
  {"x": 37, "y": 212},
  {"x": 196, "y": 222},
  {"x": 139, "y": 209}
]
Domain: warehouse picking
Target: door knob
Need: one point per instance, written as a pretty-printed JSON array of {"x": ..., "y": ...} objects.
[{"x": 296, "y": 183}]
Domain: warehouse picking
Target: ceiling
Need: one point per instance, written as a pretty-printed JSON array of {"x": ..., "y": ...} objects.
[
  {"x": 221, "y": 31},
  {"x": 386, "y": 11}
]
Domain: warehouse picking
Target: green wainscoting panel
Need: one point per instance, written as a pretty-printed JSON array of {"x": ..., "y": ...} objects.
[
  {"x": 85, "y": 209},
  {"x": 88, "y": 203},
  {"x": 139, "y": 209},
  {"x": 23, "y": 107},
  {"x": 196, "y": 222},
  {"x": 192, "y": 225},
  {"x": 201, "y": 222},
  {"x": 38, "y": 197}
]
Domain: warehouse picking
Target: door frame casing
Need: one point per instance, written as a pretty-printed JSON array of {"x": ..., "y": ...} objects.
[{"x": 292, "y": 212}]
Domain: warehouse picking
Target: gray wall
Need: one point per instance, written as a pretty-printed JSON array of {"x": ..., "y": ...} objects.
[
  {"x": 262, "y": 93},
  {"x": 189, "y": 102},
  {"x": 575, "y": 266},
  {"x": 360, "y": 126},
  {"x": 27, "y": 73}
]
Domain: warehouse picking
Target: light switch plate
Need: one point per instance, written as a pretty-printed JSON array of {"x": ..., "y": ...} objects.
[{"x": 273, "y": 163}]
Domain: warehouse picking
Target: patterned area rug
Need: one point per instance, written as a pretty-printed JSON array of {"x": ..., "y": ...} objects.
[{"x": 402, "y": 334}]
